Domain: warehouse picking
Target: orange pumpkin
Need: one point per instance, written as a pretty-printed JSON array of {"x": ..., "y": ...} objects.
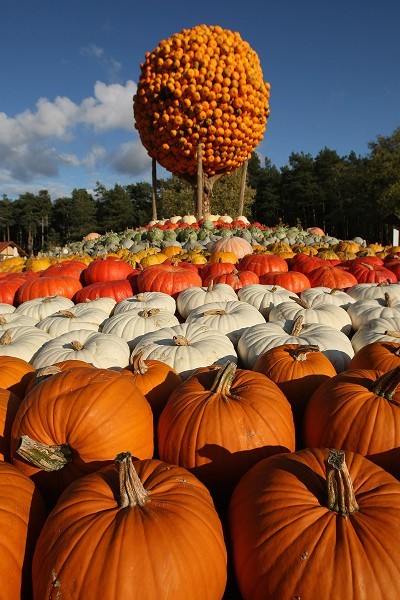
[
  {"x": 382, "y": 356},
  {"x": 15, "y": 374},
  {"x": 358, "y": 410},
  {"x": 42, "y": 287},
  {"x": 75, "y": 422},
  {"x": 9, "y": 404},
  {"x": 327, "y": 518},
  {"x": 220, "y": 421},
  {"x": 22, "y": 516},
  {"x": 167, "y": 279},
  {"x": 155, "y": 379},
  {"x": 263, "y": 263},
  {"x": 298, "y": 370},
  {"x": 155, "y": 525}
]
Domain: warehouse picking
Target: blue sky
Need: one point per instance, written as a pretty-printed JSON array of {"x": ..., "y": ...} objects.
[{"x": 69, "y": 68}]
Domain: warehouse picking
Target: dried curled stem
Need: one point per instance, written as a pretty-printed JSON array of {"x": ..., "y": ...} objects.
[
  {"x": 131, "y": 490},
  {"x": 341, "y": 497}
]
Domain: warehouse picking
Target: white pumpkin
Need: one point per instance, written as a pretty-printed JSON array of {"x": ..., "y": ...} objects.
[
  {"x": 105, "y": 304},
  {"x": 187, "y": 347},
  {"x": 22, "y": 342},
  {"x": 325, "y": 314},
  {"x": 15, "y": 320},
  {"x": 6, "y": 308},
  {"x": 256, "y": 340},
  {"x": 102, "y": 350},
  {"x": 196, "y": 296},
  {"x": 210, "y": 217},
  {"x": 264, "y": 297},
  {"x": 315, "y": 295},
  {"x": 368, "y": 291},
  {"x": 189, "y": 219},
  {"x": 175, "y": 219},
  {"x": 77, "y": 317},
  {"x": 230, "y": 318},
  {"x": 363, "y": 311},
  {"x": 132, "y": 325},
  {"x": 146, "y": 301},
  {"x": 39, "y": 308},
  {"x": 377, "y": 330}
]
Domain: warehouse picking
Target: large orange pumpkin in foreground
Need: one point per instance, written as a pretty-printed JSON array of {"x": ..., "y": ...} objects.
[
  {"x": 75, "y": 422},
  {"x": 309, "y": 526},
  {"x": 146, "y": 531}
]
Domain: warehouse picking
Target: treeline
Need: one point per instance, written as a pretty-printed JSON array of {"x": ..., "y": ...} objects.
[{"x": 347, "y": 196}]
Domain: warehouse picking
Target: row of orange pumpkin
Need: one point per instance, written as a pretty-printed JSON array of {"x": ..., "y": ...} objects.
[{"x": 218, "y": 427}]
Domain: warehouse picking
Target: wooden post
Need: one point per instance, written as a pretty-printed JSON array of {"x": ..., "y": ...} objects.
[
  {"x": 199, "y": 195},
  {"x": 242, "y": 187},
  {"x": 154, "y": 188}
]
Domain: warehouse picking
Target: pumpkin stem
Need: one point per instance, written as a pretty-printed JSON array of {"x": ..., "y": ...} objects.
[
  {"x": 45, "y": 457},
  {"x": 48, "y": 299},
  {"x": 76, "y": 345},
  {"x": 45, "y": 372},
  {"x": 300, "y": 302},
  {"x": 180, "y": 340},
  {"x": 139, "y": 365},
  {"x": 388, "y": 300},
  {"x": 223, "y": 381},
  {"x": 387, "y": 383},
  {"x": 66, "y": 313},
  {"x": 3, "y": 320},
  {"x": 214, "y": 311},
  {"x": 5, "y": 339},
  {"x": 341, "y": 498},
  {"x": 210, "y": 286},
  {"x": 131, "y": 489},
  {"x": 300, "y": 353},
  {"x": 297, "y": 325},
  {"x": 150, "y": 312},
  {"x": 395, "y": 334}
]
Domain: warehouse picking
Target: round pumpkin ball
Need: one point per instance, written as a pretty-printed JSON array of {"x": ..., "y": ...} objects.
[{"x": 204, "y": 86}]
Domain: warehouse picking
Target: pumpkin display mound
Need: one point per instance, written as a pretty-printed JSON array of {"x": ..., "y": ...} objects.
[{"x": 204, "y": 86}]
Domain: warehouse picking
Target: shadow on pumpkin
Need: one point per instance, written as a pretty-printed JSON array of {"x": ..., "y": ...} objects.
[
  {"x": 224, "y": 469},
  {"x": 388, "y": 460}
]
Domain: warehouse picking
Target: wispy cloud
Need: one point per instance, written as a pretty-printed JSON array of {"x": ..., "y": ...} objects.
[{"x": 111, "y": 66}]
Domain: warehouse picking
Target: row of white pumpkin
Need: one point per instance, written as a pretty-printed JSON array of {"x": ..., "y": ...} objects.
[{"x": 220, "y": 325}]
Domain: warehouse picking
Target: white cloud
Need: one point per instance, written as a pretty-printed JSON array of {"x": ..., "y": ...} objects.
[
  {"x": 130, "y": 158},
  {"x": 110, "y": 107},
  {"x": 39, "y": 142},
  {"x": 95, "y": 156}
]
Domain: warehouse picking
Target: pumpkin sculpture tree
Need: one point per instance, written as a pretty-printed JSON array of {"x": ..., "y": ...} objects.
[{"x": 201, "y": 106}]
